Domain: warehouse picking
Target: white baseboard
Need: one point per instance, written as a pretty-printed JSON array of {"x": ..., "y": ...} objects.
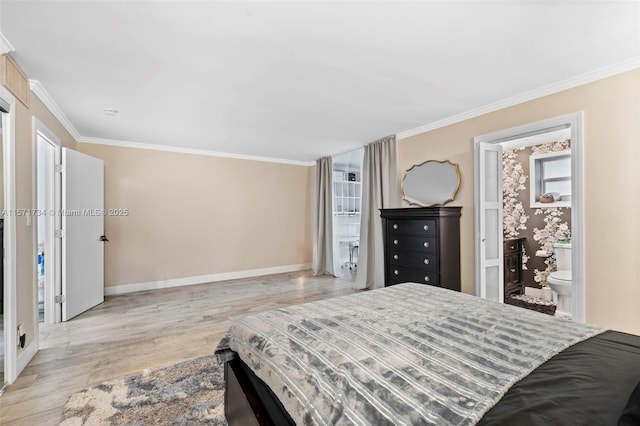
[
  {"x": 26, "y": 355},
  {"x": 202, "y": 279}
]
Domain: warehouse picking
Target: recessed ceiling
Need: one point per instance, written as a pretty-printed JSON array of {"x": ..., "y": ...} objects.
[{"x": 301, "y": 80}]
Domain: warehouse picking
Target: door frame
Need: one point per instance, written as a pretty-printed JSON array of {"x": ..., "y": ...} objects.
[
  {"x": 53, "y": 286},
  {"x": 10, "y": 299},
  {"x": 575, "y": 121}
]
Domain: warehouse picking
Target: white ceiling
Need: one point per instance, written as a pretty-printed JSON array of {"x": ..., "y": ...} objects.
[{"x": 301, "y": 80}]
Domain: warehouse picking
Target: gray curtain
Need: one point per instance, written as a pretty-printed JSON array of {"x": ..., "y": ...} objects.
[
  {"x": 380, "y": 189},
  {"x": 323, "y": 224}
]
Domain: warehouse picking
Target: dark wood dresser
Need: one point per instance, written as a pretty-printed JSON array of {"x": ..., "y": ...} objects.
[
  {"x": 513, "y": 280},
  {"x": 422, "y": 245}
]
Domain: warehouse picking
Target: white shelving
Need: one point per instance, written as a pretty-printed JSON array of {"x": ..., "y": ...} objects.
[
  {"x": 347, "y": 200},
  {"x": 346, "y": 197}
]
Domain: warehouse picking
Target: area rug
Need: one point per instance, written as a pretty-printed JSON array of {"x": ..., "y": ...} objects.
[{"x": 188, "y": 393}]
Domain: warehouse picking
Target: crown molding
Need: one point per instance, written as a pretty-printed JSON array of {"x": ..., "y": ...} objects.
[
  {"x": 38, "y": 89},
  {"x": 47, "y": 100},
  {"x": 5, "y": 46},
  {"x": 569, "y": 83},
  {"x": 193, "y": 151}
]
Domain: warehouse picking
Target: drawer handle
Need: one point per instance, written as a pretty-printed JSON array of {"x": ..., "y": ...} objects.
[
  {"x": 395, "y": 226},
  {"x": 396, "y": 272},
  {"x": 513, "y": 270},
  {"x": 426, "y": 244},
  {"x": 395, "y": 257},
  {"x": 426, "y": 261},
  {"x": 395, "y": 242},
  {"x": 426, "y": 278},
  {"x": 426, "y": 227}
]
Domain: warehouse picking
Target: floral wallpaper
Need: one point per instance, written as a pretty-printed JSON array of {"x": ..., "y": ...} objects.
[{"x": 540, "y": 227}]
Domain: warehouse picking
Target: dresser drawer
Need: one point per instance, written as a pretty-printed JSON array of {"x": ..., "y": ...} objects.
[
  {"x": 404, "y": 274},
  {"x": 426, "y": 261},
  {"x": 406, "y": 243},
  {"x": 412, "y": 227}
]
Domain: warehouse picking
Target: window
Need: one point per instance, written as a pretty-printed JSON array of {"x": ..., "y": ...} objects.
[{"x": 551, "y": 179}]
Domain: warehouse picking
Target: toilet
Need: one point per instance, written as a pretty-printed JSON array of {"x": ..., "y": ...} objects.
[{"x": 560, "y": 280}]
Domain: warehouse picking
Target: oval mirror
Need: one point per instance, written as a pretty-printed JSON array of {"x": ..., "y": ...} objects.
[{"x": 432, "y": 183}]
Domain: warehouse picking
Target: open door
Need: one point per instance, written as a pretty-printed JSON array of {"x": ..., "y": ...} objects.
[
  {"x": 82, "y": 233},
  {"x": 489, "y": 283}
]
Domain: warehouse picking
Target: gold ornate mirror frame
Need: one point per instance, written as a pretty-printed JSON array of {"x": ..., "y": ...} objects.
[{"x": 431, "y": 183}]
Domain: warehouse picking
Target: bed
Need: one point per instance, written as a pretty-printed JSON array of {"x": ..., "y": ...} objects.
[{"x": 418, "y": 354}]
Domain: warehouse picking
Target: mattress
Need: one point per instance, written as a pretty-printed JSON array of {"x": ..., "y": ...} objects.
[{"x": 407, "y": 354}]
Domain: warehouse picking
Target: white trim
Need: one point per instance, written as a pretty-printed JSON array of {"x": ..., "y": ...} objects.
[
  {"x": 38, "y": 89},
  {"x": 27, "y": 355},
  {"x": 10, "y": 290},
  {"x": 575, "y": 121},
  {"x": 203, "y": 279},
  {"x": 5, "y": 45},
  {"x": 569, "y": 83},
  {"x": 578, "y": 262},
  {"x": 181, "y": 150}
]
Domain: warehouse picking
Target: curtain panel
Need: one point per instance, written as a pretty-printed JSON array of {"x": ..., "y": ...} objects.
[
  {"x": 380, "y": 189},
  {"x": 323, "y": 224}
]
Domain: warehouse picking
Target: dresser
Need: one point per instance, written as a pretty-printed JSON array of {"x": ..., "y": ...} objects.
[
  {"x": 422, "y": 245},
  {"x": 512, "y": 253}
]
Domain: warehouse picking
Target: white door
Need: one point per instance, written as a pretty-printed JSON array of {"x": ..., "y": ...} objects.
[
  {"x": 489, "y": 283},
  {"x": 82, "y": 232}
]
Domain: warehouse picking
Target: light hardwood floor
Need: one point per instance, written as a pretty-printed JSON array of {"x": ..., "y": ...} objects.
[{"x": 151, "y": 329}]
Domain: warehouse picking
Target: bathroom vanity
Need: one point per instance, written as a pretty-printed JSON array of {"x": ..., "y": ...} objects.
[{"x": 513, "y": 280}]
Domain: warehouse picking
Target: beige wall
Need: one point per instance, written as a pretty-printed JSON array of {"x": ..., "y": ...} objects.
[
  {"x": 612, "y": 199},
  {"x": 193, "y": 215},
  {"x": 25, "y": 199}
]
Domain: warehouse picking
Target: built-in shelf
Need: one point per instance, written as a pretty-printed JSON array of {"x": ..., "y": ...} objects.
[
  {"x": 347, "y": 196},
  {"x": 550, "y": 174}
]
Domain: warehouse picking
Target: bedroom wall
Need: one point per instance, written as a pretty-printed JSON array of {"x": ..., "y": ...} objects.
[
  {"x": 611, "y": 180},
  {"x": 25, "y": 199},
  {"x": 193, "y": 215}
]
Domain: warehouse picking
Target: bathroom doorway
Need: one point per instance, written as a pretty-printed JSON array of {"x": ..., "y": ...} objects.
[
  {"x": 536, "y": 198},
  {"x": 554, "y": 143},
  {"x": 47, "y": 220}
]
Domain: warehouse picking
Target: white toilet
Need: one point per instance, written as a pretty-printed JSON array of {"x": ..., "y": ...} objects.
[{"x": 560, "y": 280}]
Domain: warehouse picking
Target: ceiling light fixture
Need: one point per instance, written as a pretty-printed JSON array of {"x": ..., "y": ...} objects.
[{"x": 111, "y": 111}]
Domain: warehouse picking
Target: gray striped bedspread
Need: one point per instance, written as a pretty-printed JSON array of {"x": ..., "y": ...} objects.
[{"x": 406, "y": 354}]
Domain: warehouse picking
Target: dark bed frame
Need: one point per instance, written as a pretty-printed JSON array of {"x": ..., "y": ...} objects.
[{"x": 248, "y": 401}]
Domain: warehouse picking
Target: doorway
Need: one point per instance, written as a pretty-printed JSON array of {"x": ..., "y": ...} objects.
[
  {"x": 8, "y": 274},
  {"x": 347, "y": 200},
  {"x": 489, "y": 204},
  {"x": 47, "y": 220}
]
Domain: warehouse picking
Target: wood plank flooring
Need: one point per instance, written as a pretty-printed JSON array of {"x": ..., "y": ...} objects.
[{"x": 151, "y": 329}]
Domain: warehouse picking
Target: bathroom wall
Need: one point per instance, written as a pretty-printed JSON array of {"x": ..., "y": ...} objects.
[{"x": 540, "y": 226}]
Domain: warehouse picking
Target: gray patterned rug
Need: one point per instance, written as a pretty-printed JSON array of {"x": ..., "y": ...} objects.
[{"x": 187, "y": 393}]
